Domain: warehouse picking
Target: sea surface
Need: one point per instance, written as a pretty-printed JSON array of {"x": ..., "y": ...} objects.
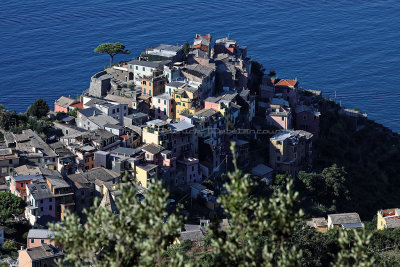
[{"x": 350, "y": 47}]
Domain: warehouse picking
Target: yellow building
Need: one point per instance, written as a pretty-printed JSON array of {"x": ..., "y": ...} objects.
[
  {"x": 186, "y": 100},
  {"x": 145, "y": 174},
  {"x": 388, "y": 219},
  {"x": 156, "y": 132}
]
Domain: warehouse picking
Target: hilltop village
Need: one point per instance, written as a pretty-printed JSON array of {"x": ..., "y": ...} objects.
[{"x": 169, "y": 115}]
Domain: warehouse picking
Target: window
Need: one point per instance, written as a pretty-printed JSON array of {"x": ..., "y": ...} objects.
[
  {"x": 304, "y": 117},
  {"x": 278, "y": 142},
  {"x": 192, "y": 168},
  {"x": 144, "y": 68},
  {"x": 165, "y": 110},
  {"x": 66, "y": 131},
  {"x": 183, "y": 104},
  {"x": 41, "y": 209},
  {"x": 130, "y": 66},
  {"x": 149, "y": 92},
  {"x": 165, "y": 102},
  {"x": 147, "y": 156},
  {"x": 41, "y": 201},
  {"x": 168, "y": 75},
  {"x": 117, "y": 109},
  {"x": 170, "y": 91},
  {"x": 278, "y": 158},
  {"x": 22, "y": 184},
  {"x": 137, "y": 68},
  {"x": 10, "y": 161},
  {"x": 32, "y": 240},
  {"x": 42, "y": 241},
  {"x": 113, "y": 111},
  {"x": 125, "y": 107},
  {"x": 50, "y": 200},
  {"x": 50, "y": 207},
  {"x": 144, "y": 90},
  {"x": 283, "y": 118},
  {"x": 24, "y": 198},
  {"x": 144, "y": 82},
  {"x": 158, "y": 100},
  {"x": 149, "y": 83}
]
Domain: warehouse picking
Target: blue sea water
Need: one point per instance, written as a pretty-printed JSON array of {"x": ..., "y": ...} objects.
[{"x": 347, "y": 46}]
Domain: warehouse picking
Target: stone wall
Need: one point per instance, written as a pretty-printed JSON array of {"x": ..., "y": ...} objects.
[{"x": 100, "y": 84}]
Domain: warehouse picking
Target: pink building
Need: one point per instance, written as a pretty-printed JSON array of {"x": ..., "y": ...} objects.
[
  {"x": 37, "y": 237},
  {"x": 208, "y": 103},
  {"x": 189, "y": 171},
  {"x": 307, "y": 119},
  {"x": 158, "y": 155},
  {"x": 163, "y": 106},
  {"x": 279, "y": 114},
  {"x": 63, "y": 103}
]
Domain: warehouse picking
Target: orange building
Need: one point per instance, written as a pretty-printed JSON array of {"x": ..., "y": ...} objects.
[
  {"x": 18, "y": 184},
  {"x": 154, "y": 85}
]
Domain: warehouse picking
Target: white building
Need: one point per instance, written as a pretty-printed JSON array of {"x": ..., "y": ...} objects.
[
  {"x": 142, "y": 68},
  {"x": 114, "y": 110}
]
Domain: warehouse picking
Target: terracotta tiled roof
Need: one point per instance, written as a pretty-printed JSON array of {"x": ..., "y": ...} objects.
[
  {"x": 77, "y": 105},
  {"x": 285, "y": 82}
]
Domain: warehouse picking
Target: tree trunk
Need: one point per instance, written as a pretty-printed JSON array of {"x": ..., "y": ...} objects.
[{"x": 111, "y": 60}]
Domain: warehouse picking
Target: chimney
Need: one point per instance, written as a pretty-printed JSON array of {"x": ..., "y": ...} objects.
[{"x": 22, "y": 247}]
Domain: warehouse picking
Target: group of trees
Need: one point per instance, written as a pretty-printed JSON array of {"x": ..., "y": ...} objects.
[
  {"x": 262, "y": 232},
  {"x": 370, "y": 156},
  {"x": 34, "y": 118}
]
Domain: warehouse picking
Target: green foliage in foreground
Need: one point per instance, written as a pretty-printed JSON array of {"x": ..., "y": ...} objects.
[
  {"x": 262, "y": 232},
  {"x": 138, "y": 236},
  {"x": 10, "y": 206}
]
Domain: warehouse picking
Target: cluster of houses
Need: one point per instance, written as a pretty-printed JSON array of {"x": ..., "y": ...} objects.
[{"x": 168, "y": 115}]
